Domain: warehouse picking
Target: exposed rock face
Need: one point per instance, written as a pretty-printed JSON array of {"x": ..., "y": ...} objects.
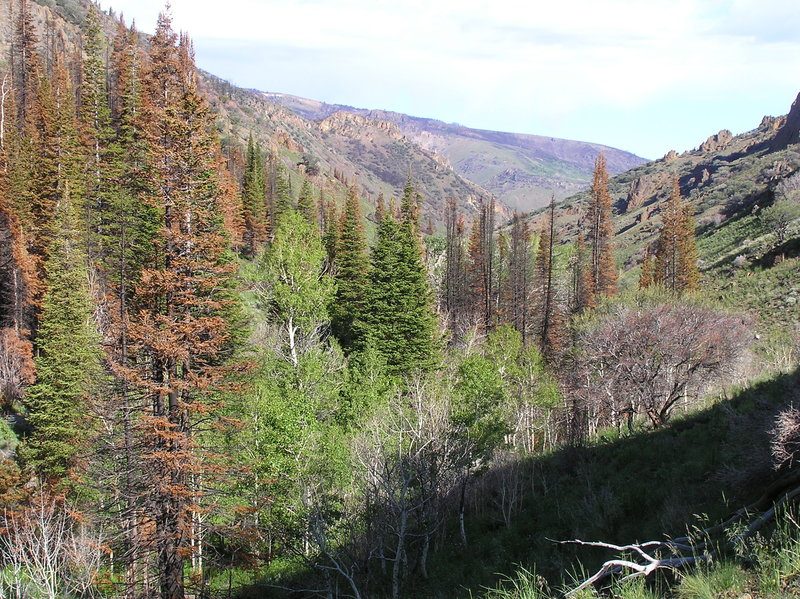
[
  {"x": 789, "y": 133},
  {"x": 354, "y": 125},
  {"x": 288, "y": 142},
  {"x": 670, "y": 156},
  {"x": 717, "y": 142},
  {"x": 770, "y": 124},
  {"x": 643, "y": 189}
]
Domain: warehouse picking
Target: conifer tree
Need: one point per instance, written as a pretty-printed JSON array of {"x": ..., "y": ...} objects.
[
  {"x": 519, "y": 277},
  {"x": 380, "y": 208},
  {"x": 401, "y": 323},
  {"x": 331, "y": 235},
  {"x": 280, "y": 189},
  {"x": 305, "y": 202},
  {"x": 410, "y": 204},
  {"x": 551, "y": 321},
  {"x": 351, "y": 268},
  {"x": 456, "y": 299},
  {"x": 254, "y": 196},
  {"x": 481, "y": 265},
  {"x": 69, "y": 362},
  {"x": 97, "y": 134},
  {"x": 582, "y": 297},
  {"x": 181, "y": 330},
  {"x": 25, "y": 65},
  {"x": 676, "y": 253},
  {"x": 603, "y": 269}
]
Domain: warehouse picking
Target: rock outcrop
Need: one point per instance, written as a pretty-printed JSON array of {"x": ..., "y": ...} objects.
[
  {"x": 717, "y": 142},
  {"x": 789, "y": 133},
  {"x": 643, "y": 189}
]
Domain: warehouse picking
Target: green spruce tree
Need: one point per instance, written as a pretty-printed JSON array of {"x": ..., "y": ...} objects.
[
  {"x": 351, "y": 267},
  {"x": 400, "y": 319},
  {"x": 68, "y": 366}
]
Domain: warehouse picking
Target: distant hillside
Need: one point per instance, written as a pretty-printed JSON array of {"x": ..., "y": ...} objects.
[
  {"x": 521, "y": 170},
  {"x": 371, "y": 153},
  {"x": 729, "y": 180},
  {"x": 347, "y": 149}
]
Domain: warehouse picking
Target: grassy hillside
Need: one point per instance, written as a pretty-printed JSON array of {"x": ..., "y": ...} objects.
[{"x": 619, "y": 489}]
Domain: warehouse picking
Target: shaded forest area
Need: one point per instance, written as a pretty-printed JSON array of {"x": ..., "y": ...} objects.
[{"x": 213, "y": 383}]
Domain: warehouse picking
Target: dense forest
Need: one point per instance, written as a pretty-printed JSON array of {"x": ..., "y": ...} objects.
[{"x": 216, "y": 383}]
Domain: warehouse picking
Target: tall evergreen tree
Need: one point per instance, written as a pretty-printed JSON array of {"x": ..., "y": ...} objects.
[
  {"x": 518, "y": 281},
  {"x": 305, "y": 202},
  {"x": 181, "y": 330},
  {"x": 254, "y": 197},
  {"x": 280, "y": 189},
  {"x": 400, "y": 320},
  {"x": 69, "y": 362},
  {"x": 351, "y": 268},
  {"x": 96, "y": 132},
  {"x": 410, "y": 204},
  {"x": 331, "y": 230}
]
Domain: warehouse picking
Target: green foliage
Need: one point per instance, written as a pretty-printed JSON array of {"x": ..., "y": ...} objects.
[
  {"x": 294, "y": 289},
  {"x": 778, "y": 558},
  {"x": 351, "y": 266},
  {"x": 400, "y": 320},
  {"x": 68, "y": 367},
  {"x": 780, "y": 216},
  {"x": 254, "y": 194},
  {"x": 482, "y": 399},
  {"x": 525, "y": 584},
  {"x": 306, "y": 204},
  {"x": 366, "y": 387}
]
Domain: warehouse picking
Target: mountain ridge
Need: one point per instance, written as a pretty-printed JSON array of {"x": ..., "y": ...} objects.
[{"x": 522, "y": 170}]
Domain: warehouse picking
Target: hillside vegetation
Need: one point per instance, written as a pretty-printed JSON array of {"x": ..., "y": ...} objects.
[{"x": 229, "y": 369}]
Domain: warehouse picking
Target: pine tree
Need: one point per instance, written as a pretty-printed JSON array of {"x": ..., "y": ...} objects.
[
  {"x": 25, "y": 65},
  {"x": 351, "y": 268},
  {"x": 306, "y": 204},
  {"x": 280, "y": 189},
  {"x": 410, "y": 205},
  {"x": 400, "y": 320},
  {"x": 518, "y": 281},
  {"x": 551, "y": 321},
  {"x": 456, "y": 299},
  {"x": 481, "y": 265},
  {"x": 603, "y": 269},
  {"x": 181, "y": 330},
  {"x": 380, "y": 208},
  {"x": 69, "y": 362},
  {"x": 331, "y": 234},
  {"x": 676, "y": 253},
  {"x": 254, "y": 197},
  {"x": 582, "y": 297}
]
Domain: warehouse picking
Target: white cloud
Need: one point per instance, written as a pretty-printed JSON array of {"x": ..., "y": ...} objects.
[{"x": 553, "y": 59}]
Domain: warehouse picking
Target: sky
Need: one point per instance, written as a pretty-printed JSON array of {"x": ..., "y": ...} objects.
[{"x": 646, "y": 76}]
